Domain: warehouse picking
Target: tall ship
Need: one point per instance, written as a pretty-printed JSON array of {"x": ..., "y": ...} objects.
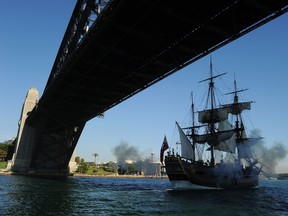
[{"x": 215, "y": 150}]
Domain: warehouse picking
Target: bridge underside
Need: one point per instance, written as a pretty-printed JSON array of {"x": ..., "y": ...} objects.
[{"x": 132, "y": 45}]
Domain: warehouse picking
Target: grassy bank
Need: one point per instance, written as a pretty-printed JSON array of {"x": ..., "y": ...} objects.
[
  {"x": 3, "y": 164},
  {"x": 97, "y": 172}
]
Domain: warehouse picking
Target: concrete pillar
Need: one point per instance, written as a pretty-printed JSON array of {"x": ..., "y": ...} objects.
[{"x": 24, "y": 141}]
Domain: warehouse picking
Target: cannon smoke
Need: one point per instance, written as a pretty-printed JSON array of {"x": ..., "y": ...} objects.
[
  {"x": 124, "y": 152},
  {"x": 269, "y": 157}
]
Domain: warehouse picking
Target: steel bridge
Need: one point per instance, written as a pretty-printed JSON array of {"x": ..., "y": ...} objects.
[{"x": 114, "y": 49}]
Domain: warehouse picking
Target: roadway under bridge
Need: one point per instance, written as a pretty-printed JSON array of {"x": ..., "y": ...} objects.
[{"x": 113, "y": 50}]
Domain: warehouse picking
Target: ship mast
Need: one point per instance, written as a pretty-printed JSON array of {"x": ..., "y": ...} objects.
[
  {"x": 211, "y": 96},
  {"x": 193, "y": 125},
  {"x": 239, "y": 126},
  {"x": 236, "y": 109},
  {"x": 237, "y": 116},
  {"x": 212, "y": 124}
]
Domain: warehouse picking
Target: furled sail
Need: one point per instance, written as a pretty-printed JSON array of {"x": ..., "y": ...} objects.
[
  {"x": 213, "y": 115},
  {"x": 186, "y": 146},
  {"x": 214, "y": 138},
  {"x": 237, "y": 108}
]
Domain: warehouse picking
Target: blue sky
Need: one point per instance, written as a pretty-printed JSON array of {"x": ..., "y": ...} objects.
[{"x": 31, "y": 33}]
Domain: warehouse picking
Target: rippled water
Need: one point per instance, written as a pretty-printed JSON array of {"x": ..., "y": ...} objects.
[{"x": 21, "y": 195}]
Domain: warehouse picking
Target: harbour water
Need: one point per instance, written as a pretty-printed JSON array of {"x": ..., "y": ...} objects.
[{"x": 21, "y": 195}]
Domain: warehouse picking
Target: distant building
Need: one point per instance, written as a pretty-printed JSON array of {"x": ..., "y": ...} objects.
[
  {"x": 147, "y": 167},
  {"x": 152, "y": 168}
]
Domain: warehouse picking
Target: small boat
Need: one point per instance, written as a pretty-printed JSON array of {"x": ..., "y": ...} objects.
[{"x": 215, "y": 152}]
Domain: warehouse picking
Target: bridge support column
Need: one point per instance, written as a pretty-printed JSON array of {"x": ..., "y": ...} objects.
[{"x": 25, "y": 136}]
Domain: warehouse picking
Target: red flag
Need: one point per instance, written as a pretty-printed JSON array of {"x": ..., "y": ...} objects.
[{"x": 164, "y": 147}]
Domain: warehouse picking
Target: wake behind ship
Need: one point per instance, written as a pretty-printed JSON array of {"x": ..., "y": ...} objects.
[{"x": 215, "y": 152}]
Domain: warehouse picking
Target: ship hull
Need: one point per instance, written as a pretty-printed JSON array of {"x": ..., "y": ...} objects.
[{"x": 185, "y": 174}]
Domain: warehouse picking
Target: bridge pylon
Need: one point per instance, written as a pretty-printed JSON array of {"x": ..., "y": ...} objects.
[
  {"x": 25, "y": 135},
  {"x": 40, "y": 150}
]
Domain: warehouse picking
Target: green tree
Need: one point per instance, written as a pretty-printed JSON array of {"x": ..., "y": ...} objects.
[
  {"x": 83, "y": 167},
  {"x": 131, "y": 169},
  {"x": 110, "y": 167},
  {"x": 6, "y": 148},
  {"x": 77, "y": 160},
  {"x": 95, "y": 155},
  {"x": 3, "y": 155}
]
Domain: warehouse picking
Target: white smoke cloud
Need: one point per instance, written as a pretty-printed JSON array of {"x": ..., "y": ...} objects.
[{"x": 269, "y": 157}]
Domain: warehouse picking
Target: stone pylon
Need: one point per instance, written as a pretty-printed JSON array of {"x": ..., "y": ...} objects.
[{"x": 24, "y": 141}]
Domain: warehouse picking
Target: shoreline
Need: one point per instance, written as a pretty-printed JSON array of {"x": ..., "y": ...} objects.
[
  {"x": 117, "y": 176},
  {"x": 5, "y": 173},
  {"x": 96, "y": 176}
]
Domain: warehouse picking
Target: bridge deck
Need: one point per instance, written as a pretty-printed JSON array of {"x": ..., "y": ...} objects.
[{"x": 137, "y": 43}]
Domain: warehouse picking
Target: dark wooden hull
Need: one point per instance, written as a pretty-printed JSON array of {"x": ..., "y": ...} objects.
[{"x": 182, "y": 172}]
